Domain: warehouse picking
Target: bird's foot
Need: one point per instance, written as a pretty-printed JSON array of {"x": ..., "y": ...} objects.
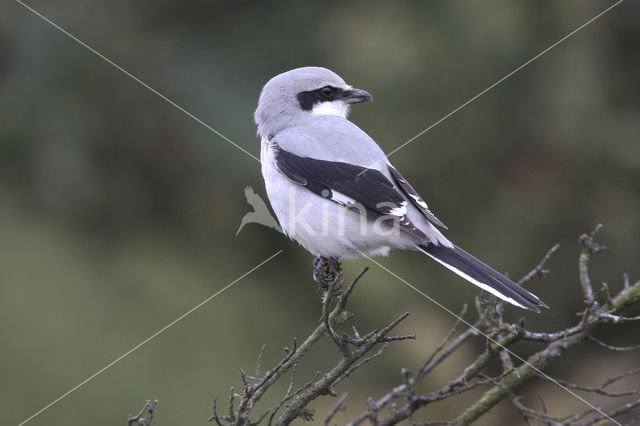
[{"x": 327, "y": 270}]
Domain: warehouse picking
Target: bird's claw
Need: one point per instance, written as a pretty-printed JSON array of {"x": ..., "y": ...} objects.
[{"x": 327, "y": 271}]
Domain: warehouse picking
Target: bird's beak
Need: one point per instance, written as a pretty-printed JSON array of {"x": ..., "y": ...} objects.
[{"x": 355, "y": 96}]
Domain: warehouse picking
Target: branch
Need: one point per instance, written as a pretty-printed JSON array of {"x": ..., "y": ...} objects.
[
  {"x": 325, "y": 384},
  {"x": 589, "y": 248},
  {"x": 539, "y": 268},
  {"x": 401, "y": 402},
  {"x": 556, "y": 344},
  {"x": 339, "y": 406},
  {"x": 354, "y": 354},
  {"x": 601, "y": 389},
  {"x": 149, "y": 407}
]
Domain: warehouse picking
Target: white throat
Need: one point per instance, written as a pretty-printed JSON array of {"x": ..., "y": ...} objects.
[{"x": 338, "y": 108}]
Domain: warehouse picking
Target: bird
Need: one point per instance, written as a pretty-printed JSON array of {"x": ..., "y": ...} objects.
[
  {"x": 260, "y": 213},
  {"x": 334, "y": 191}
]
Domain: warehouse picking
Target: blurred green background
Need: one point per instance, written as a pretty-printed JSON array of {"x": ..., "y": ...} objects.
[{"x": 118, "y": 212}]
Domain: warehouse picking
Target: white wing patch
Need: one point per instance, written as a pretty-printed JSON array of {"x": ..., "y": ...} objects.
[
  {"x": 419, "y": 201},
  {"x": 340, "y": 198},
  {"x": 413, "y": 195},
  {"x": 399, "y": 211}
]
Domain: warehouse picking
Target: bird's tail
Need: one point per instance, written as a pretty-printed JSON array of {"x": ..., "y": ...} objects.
[{"x": 484, "y": 276}]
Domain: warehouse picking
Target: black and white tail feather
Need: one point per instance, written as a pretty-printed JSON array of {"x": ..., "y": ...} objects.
[{"x": 484, "y": 276}]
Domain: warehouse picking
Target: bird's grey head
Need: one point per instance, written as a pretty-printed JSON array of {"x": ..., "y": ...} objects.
[{"x": 292, "y": 96}]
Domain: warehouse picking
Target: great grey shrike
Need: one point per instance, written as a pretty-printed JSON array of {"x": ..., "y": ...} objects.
[{"x": 334, "y": 191}]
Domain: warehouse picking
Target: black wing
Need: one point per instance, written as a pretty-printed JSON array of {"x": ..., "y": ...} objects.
[
  {"x": 412, "y": 195},
  {"x": 348, "y": 185}
]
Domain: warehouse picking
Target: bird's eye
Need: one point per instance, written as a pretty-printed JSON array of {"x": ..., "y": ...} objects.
[{"x": 327, "y": 92}]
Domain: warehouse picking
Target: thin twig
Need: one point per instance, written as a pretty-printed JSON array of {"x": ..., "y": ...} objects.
[
  {"x": 614, "y": 348},
  {"x": 597, "y": 390},
  {"x": 430, "y": 364},
  {"x": 539, "y": 268},
  {"x": 625, "y": 409},
  {"x": 589, "y": 247},
  {"x": 337, "y": 407},
  {"x": 149, "y": 407},
  {"x": 259, "y": 364}
]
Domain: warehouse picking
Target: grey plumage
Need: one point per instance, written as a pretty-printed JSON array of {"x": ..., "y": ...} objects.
[{"x": 334, "y": 191}]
